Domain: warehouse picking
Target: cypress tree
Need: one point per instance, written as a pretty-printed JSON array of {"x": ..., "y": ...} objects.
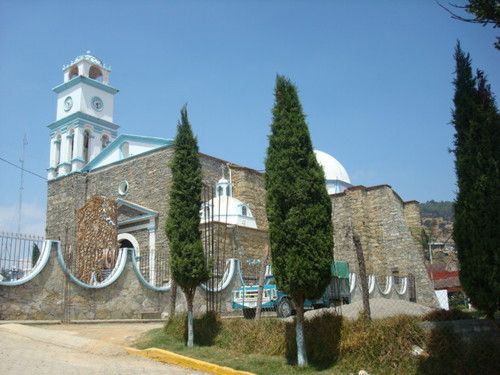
[
  {"x": 188, "y": 262},
  {"x": 298, "y": 208},
  {"x": 477, "y": 207}
]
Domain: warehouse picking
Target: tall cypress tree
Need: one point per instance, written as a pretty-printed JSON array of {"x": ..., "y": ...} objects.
[
  {"x": 188, "y": 262},
  {"x": 477, "y": 207},
  {"x": 298, "y": 208}
]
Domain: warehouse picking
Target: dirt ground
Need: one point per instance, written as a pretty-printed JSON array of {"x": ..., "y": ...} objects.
[
  {"x": 96, "y": 349},
  {"x": 123, "y": 334}
]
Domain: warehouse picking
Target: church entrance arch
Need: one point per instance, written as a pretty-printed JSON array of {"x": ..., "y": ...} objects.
[{"x": 129, "y": 241}]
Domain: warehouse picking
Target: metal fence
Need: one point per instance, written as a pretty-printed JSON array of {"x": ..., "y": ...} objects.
[{"x": 19, "y": 254}]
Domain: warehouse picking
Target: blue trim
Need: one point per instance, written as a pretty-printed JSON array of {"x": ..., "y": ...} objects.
[
  {"x": 89, "y": 81},
  {"x": 80, "y": 283},
  {"x": 62, "y": 164},
  {"x": 80, "y": 118},
  {"x": 141, "y": 277},
  {"x": 78, "y": 159},
  {"x": 116, "y": 144},
  {"x": 136, "y": 207},
  {"x": 136, "y": 219}
]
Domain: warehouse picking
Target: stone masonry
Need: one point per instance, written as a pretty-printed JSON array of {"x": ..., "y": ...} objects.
[{"x": 377, "y": 214}]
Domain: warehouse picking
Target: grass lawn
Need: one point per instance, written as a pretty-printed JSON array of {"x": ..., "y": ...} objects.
[
  {"x": 334, "y": 346},
  {"x": 257, "y": 363}
]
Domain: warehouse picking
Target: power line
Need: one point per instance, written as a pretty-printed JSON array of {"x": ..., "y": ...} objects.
[
  {"x": 21, "y": 168},
  {"x": 21, "y": 185}
]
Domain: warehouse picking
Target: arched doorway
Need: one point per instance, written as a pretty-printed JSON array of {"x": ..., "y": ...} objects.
[{"x": 126, "y": 240}]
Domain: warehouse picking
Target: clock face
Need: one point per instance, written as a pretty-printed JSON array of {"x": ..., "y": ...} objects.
[
  {"x": 97, "y": 104},
  {"x": 68, "y": 103}
]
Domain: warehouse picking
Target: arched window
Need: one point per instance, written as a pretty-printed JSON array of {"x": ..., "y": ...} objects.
[
  {"x": 124, "y": 150},
  {"x": 95, "y": 73},
  {"x": 243, "y": 210},
  {"x": 220, "y": 191},
  {"x": 86, "y": 146},
  {"x": 104, "y": 142},
  {"x": 73, "y": 72},
  {"x": 228, "y": 190},
  {"x": 71, "y": 141},
  {"x": 58, "y": 150}
]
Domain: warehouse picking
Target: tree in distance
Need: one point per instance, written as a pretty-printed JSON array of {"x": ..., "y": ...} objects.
[
  {"x": 188, "y": 261},
  {"x": 298, "y": 208}
]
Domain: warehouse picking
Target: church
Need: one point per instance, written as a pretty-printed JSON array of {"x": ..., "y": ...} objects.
[{"x": 89, "y": 158}]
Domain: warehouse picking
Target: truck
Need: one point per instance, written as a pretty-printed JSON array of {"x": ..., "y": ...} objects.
[{"x": 337, "y": 292}]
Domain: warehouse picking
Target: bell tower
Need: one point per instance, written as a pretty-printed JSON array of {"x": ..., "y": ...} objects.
[{"x": 84, "y": 116}]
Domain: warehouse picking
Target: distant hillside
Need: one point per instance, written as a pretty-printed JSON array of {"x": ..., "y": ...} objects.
[{"x": 432, "y": 209}]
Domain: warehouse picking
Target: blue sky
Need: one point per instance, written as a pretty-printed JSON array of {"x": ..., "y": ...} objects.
[{"x": 374, "y": 79}]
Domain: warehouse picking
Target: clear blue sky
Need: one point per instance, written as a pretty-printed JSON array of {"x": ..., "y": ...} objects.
[{"x": 374, "y": 78}]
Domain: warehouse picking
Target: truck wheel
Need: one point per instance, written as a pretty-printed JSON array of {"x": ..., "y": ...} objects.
[
  {"x": 285, "y": 308},
  {"x": 249, "y": 313}
]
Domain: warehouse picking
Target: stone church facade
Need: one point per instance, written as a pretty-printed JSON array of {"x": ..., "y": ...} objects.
[{"x": 89, "y": 158}]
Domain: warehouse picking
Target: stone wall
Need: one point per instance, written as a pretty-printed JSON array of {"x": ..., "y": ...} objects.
[
  {"x": 377, "y": 215},
  {"x": 52, "y": 296}
]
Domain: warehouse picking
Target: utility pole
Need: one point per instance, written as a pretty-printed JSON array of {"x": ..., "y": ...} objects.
[{"x": 21, "y": 185}]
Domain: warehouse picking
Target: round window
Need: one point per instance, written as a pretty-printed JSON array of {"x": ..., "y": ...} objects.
[{"x": 123, "y": 188}]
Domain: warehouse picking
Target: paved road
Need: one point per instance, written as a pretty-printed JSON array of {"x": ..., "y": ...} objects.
[{"x": 32, "y": 350}]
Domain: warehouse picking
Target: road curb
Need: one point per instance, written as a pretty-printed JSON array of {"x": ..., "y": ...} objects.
[{"x": 183, "y": 361}]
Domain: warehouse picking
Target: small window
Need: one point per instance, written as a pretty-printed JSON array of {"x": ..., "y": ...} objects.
[
  {"x": 243, "y": 210},
  {"x": 228, "y": 190},
  {"x": 123, "y": 188},
  {"x": 220, "y": 191}
]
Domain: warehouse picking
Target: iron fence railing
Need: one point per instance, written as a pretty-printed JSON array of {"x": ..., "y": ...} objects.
[{"x": 19, "y": 254}]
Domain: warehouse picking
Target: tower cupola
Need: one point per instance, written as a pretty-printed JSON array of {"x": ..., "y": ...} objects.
[
  {"x": 89, "y": 66},
  {"x": 84, "y": 116}
]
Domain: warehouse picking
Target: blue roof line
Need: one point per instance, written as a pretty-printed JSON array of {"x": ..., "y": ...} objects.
[{"x": 119, "y": 141}]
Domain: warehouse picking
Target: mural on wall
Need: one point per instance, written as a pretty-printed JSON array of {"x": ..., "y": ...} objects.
[{"x": 97, "y": 233}]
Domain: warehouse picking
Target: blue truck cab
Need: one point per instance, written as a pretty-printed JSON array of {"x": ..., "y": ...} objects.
[{"x": 337, "y": 292}]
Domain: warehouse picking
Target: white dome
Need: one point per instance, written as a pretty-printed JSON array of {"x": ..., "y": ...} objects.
[
  {"x": 229, "y": 210},
  {"x": 332, "y": 167}
]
